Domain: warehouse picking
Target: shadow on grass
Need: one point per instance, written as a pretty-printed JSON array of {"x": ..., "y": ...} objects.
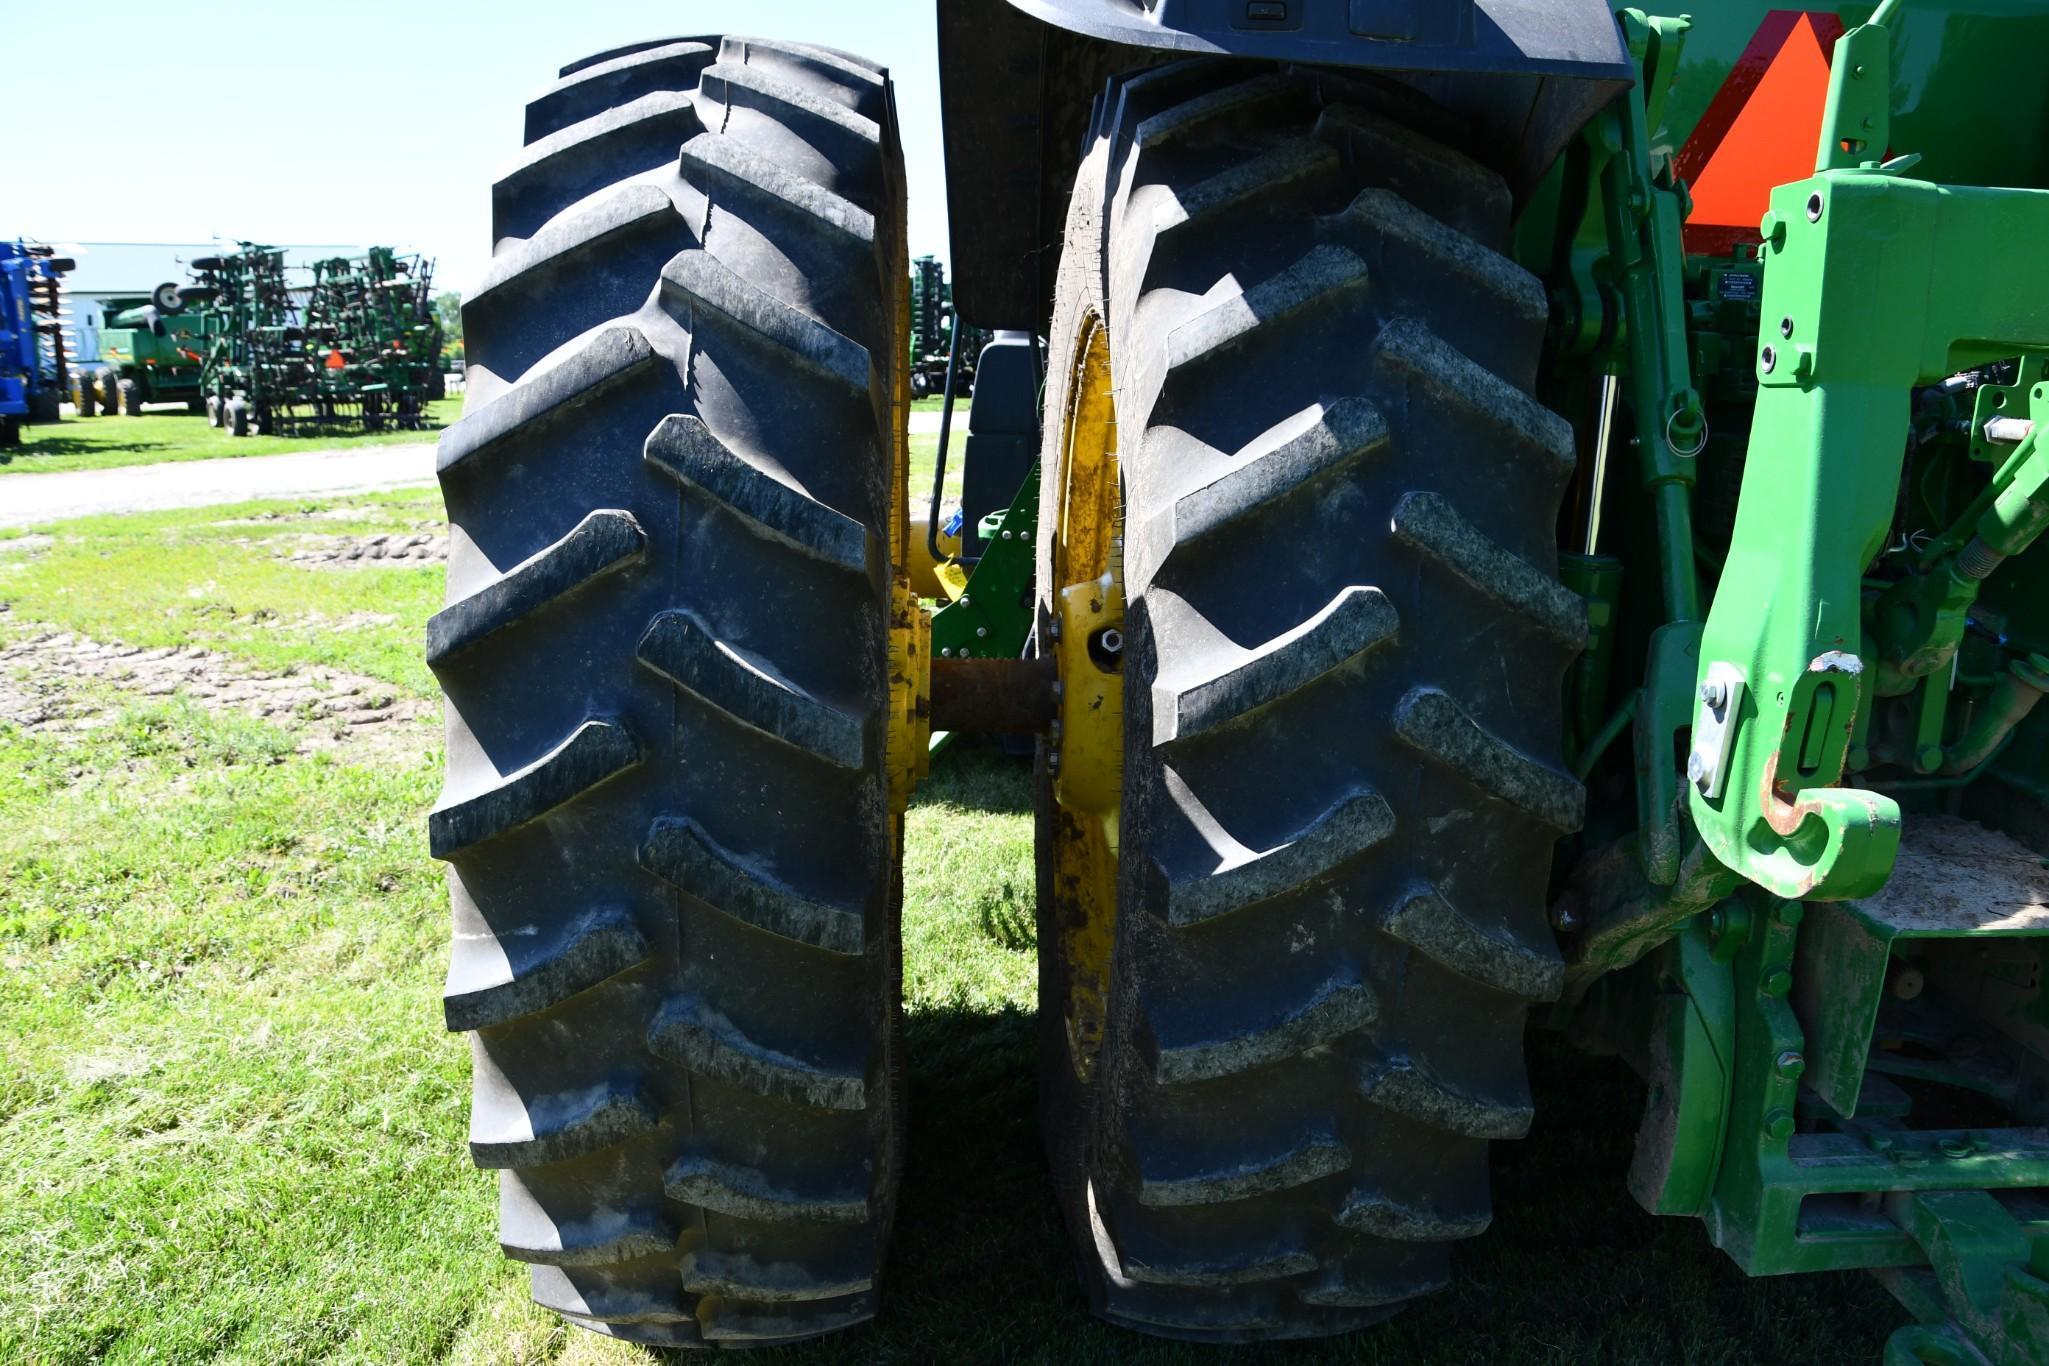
[
  {"x": 979, "y": 1267},
  {"x": 1572, "y": 1270},
  {"x": 974, "y": 773},
  {"x": 76, "y": 445}
]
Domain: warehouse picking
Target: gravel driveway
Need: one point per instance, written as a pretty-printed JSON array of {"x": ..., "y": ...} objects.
[{"x": 31, "y": 499}]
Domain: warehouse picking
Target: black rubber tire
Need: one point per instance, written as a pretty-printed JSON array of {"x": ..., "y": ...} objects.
[
  {"x": 665, "y": 662},
  {"x": 10, "y": 435},
  {"x": 46, "y": 407},
  {"x": 611, "y": 79},
  {"x": 131, "y": 398},
  {"x": 85, "y": 395},
  {"x": 235, "y": 416},
  {"x": 1344, "y": 640},
  {"x": 109, "y": 382},
  {"x": 437, "y": 384}
]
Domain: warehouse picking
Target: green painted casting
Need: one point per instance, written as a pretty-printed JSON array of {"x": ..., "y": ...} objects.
[{"x": 993, "y": 618}]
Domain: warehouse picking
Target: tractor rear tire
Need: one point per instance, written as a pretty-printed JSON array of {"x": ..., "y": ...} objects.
[
  {"x": 673, "y": 861},
  {"x": 235, "y": 416},
  {"x": 110, "y": 392},
  {"x": 1343, "y": 645},
  {"x": 131, "y": 398},
  {"x": 85, "y": 397}
]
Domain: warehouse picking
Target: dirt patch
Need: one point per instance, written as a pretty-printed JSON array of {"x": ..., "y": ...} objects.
[
  {"x": 25, "y": 545},
  {"x": 368, "y": 552},
  {"x": 357, "y": 513},
  {"x": 46, "y": 686}
]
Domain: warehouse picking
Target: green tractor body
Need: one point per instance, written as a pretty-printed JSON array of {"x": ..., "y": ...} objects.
[
  {"x": 155, "y": 349},
  {"x": 1521, "y": 514}
]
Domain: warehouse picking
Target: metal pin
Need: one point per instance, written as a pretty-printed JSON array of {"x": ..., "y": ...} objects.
[{"x": 1611, "y": 386}]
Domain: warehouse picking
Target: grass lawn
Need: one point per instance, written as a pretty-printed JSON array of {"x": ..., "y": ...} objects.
[
  {"x": 924, "y": 458},
  {"x": 231, "y": 1127},
  {"x": 165, "y": 434}
]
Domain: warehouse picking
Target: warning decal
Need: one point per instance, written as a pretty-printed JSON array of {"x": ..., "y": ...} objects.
[{"x": 1760, "y": 131}]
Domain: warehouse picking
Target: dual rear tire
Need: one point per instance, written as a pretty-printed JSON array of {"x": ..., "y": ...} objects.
[
  {"x": 669, "y": 833},
  {"x": 1342, "y": 648},
  {"x": 665, "y": 652}
]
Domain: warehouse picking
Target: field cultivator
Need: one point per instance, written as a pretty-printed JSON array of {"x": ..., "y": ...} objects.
[
  {"x": 356, "y": 347},
  {"x": 936, "y": 355}
]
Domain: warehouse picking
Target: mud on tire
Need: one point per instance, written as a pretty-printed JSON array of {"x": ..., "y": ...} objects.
[
  {"x": 1342, "y": 722},
  {"x": 664, "y": 655}
]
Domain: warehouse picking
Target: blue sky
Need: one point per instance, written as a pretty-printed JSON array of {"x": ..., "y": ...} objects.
[{"x": 363, "y": 121}]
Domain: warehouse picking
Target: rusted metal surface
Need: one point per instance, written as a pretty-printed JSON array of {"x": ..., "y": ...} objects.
[{"x": 992, "y": 694}]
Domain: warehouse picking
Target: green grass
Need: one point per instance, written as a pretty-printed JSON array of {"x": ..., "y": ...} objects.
[
  {"x": 231, "y": 1127},
  {"x": 924, "y": 459},
  {"x": 163, "y": 434},
  {"x": 211, "y": 576}
]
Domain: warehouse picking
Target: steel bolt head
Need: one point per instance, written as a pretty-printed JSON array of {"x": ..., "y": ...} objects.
[
  {"x": 1779, "y": 1124},
  {"x": 1715, "y": 692},
  {"x": 1790, "y": 1063},
  {"x": 1696, "y": 768},
  {"x": 1777, "y": 982}
]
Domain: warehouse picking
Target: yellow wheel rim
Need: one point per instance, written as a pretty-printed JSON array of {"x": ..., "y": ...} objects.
[{"x": 1087, "y": 750}]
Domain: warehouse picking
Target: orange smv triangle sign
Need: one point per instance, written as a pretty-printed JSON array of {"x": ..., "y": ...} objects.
[{"x": 1760, "y": 130}]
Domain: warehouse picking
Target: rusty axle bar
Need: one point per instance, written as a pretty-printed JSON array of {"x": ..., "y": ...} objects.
[{"x": 993, "y": 694}]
